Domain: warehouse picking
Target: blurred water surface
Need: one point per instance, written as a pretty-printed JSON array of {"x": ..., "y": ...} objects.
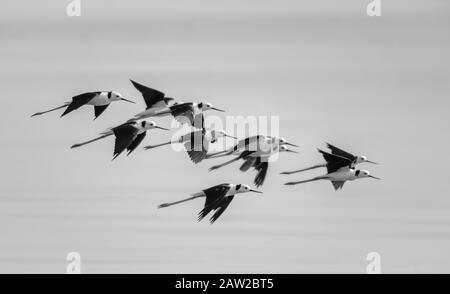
[{"x": 376, "y": 86}]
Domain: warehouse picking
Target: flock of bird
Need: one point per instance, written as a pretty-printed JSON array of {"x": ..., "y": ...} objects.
[{"x": 255, "y": 151}]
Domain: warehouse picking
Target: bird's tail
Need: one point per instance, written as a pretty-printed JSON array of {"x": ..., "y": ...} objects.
[
  {"x": 307, "y": 181},
  {"x": 305, "y": 169},
  {"x": 50, "y": 110},
  {"x": 194, "y": 196},
  {"x": 159, "y": 145},
  {"x": 90, "y": 141}
]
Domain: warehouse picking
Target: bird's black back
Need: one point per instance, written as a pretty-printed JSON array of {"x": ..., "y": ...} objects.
[{"x": 335, "y": 162}]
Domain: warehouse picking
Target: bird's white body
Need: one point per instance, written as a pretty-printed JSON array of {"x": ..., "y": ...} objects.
[
  {"x": 343, "y": 174},
  {"x": 100, "y": 100},
  {"x": 159, "y": 109}
]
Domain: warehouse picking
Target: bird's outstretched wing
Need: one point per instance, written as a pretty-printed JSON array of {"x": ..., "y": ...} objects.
[
  {"x": 125, "y": 135},
  {"x": 335, "y": 162},
  {"x": 183, "y": 113},
  {"x": 151, "y": 96},
  {"x": 336, "y": 151},
  {"x": 221, "y": 207},
  {"x": 214, "y": 196},
  {"x": 248, "y": 163},
  {"x": 136, "y": 142},
  {"x": 79, "y": 100},
  {"x": 99, "y": 110},
  {"x": 338, "y": 185},
  {"x": 197, "y": 146},
  {"x": 262, "y": 168}
]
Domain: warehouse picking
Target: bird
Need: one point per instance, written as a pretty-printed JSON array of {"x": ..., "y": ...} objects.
[
  {"x": 258, "y": 159},
  {"x": 355, "y": 159},
  {"x": 155, "y": 101},
  {"x": 252, "y": 143},
  {"x": 339, "y": 170},
  {"x": 100, "y": 101},
  {"x": 218, "y": 198},
  {"x": 128, "y": 136},
  {"x": 185, "y": 112},
  {"x": 196, "y": 142}
]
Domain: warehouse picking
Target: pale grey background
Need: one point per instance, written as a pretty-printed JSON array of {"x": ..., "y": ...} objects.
[{"x": 376, "y": 86}]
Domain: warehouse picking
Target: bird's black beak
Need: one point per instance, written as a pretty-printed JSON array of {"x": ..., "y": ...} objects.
[
  {"x": 259, "y": 192},
  {"x": 231, "y": 137},
  {"x": 372, "y": 162},
  {"x": 217, "y": 109},
  {"x": 374, "y": 178},
  {"x": 292, "y": 151},
  {"x": 128, "y": 100},
  {"x": 290, "y": 144},
  {"x": 161, "y": 128}
]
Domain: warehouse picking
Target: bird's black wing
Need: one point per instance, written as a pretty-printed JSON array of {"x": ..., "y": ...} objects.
[
  {"x": 250, "y": 143},
  {"x": 125, "y": 135},
  {"x": 183, "y": 113},
  {"x": 338, "y": 185},
  {"x": 335, "y": 162},
  {"x": 248, "y": 163},
  {"x": 220, "y": 208},
  {"x": 136, "y": 142},
  {"x": 79, "y": 100},
  {"x": 99, "y": 110},
  {"x": 151, "y": 96},
  {"x": 214, "y": 196},
  {"x": 262, "y": 168},
  {"x": 336, "y": 151}
]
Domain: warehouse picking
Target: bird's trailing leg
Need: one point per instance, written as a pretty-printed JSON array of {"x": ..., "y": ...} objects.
[
  {"x": 90, "y": 141},
  {"x": 305, "y": 169},
  {"x": 194, "y": 196},
  {"x": 159, "y": 145},
  {"x": 53, "y": 109},
  {"x": 224, "y": 164},
  {"x": 307, "y": 181}
]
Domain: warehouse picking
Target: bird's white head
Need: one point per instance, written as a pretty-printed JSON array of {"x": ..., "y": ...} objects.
[
  {"x": 281, "y": 141},
  {"x": 361, "y": 159},
  {"x": 203, "y": 106},
  {"x": 148, "y": 125},
  {"x": 245, "y": 188},
  {"x": 284, "y": 148},
  {"x": 115, "y": 96},
  {"x": 364, "y": 174}
]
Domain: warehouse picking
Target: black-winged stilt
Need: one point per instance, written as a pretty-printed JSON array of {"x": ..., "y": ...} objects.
[
  {"x": 196, "y": 142},
  {"x": 339, "y": 170},
  {"x": 258, "y": 159},
  {"x": 217, "y": 199},
  {"x": 355, "y": 159},
  {"x": 100, "y": 101},
  {"x": 154, "y": 100},
  {"x": 253, "y": 143},
  {"x": 128, "y": 136}
]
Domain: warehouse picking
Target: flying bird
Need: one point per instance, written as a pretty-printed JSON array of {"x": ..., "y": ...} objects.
[
  {"x": 339, "y": 170},
  {"x": 258, "y": 159},
  {"x": 100, "y": 101},
  {"x": 128, "y": 136},
  {"x": 354, "y": 159},
  {"x": 253, "y": 143},
  {"x": 218, "y": 198},
  {"x": 196, "y": 142},
  {"x": 155, "y": 101}
]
